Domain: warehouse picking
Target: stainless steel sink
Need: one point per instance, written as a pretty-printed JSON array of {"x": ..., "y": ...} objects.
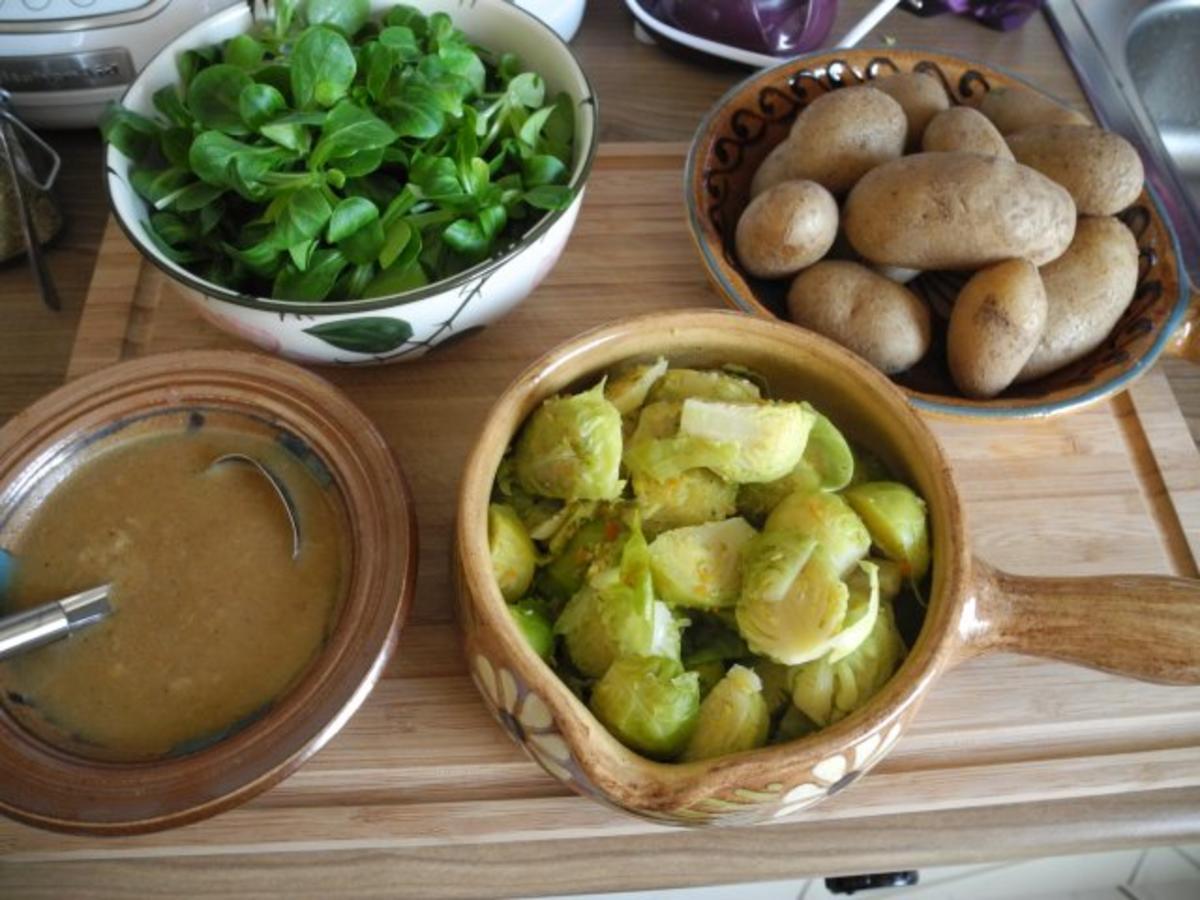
[{"x": 1139, "y": 63}]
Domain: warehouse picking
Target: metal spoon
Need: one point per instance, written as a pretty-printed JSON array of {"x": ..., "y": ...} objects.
[{"x": 57, "y": 619}]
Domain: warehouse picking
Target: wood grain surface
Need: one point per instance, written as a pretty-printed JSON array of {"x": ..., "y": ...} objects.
[
  {"x": 422, "y": 780},
  {"x": 423, "y": 796}
]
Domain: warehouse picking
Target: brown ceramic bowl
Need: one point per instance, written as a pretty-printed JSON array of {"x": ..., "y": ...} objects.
[
  {"x": 749, "y": 121},
  {"x": 1140, "y": 626},
  {"x": 53, "y": 787}
]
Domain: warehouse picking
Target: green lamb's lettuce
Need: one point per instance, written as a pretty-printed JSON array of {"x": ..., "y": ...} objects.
[
  {"x": 571, "y": 448},
  {"x": 733, "y": 717},
  {"x": 649, "y": 703}
]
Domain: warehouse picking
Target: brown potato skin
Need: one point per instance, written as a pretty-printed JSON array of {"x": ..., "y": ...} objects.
[
  {"x": 881, "y": 321},
  {"x": 997, "y": 322},
  {"x": 786, "y": 228},
  {"x": 957, "y": 211},
  {"x": 1101, "y": 170},
  {"x": 1016, "y": 108},
  {"x": 921, "y": 97},
  {"x": 842, "y": 135},
  {"x": 1087, "y": 290},
  {"x": 964, "y": 129}
]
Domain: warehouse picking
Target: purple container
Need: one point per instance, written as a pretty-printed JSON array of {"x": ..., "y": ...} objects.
[{"x": 774, "y": 27}]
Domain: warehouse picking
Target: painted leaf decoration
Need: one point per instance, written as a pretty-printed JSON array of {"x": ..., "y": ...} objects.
[{"x": 372, "y": 334}]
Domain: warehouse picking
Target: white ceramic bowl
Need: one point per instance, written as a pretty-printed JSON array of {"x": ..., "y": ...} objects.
[{"x": 402, "y": 326}]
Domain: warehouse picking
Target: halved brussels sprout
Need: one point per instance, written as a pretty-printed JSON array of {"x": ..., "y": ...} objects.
[
  {"x": 513, "y": 555},
  {"x": 710, "y": 673},
  {"x": 733, "y": 717},
  {"x": 593, "y": 546},
  {"x": 792, "y": 601},
  {"x": 650, "y": 704},
  {"x": 769, "y": 437},
  {"x": 535, "y": 512},
  {"x": 890, "y": 579},
  {"x": 776, "y": 681},
  {"x": 827, "y": 519},
  {"x": 689, "y": 498},
  {"x": 868, "y": 467},
  {"x": 535, "y": 627},
  {"x": 657, "y": 451},
  {"x": 571, "y": 448},
  {"x": 680, "y": 384},
  {"x": 862, "y": 608},
  {"x": 829, "y": 691},
  {"x": 895, "y": 516},
  {"x": 627, "y": 391},
  {"x": 701, "y": 565}
]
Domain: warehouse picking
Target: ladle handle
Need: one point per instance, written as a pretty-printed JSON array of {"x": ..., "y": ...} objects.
[
  {"x": 51, "y": 621},
  {"x": 1140, "y": 626}
]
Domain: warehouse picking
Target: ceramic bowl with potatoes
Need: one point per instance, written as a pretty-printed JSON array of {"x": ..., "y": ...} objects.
[{"x": 984, "y": 245}]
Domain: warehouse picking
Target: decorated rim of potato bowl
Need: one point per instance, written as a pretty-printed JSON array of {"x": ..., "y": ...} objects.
[
  {"x": 640, "y": 785},
  {"x": 945, "y": 405},
  {"x": 483, "y": 269}
]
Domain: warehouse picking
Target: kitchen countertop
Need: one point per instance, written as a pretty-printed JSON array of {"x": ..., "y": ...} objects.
[{"x": 645, "y": 95}]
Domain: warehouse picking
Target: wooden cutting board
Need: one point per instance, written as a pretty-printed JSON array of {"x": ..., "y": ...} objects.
[{"x": 422, "y": 767}]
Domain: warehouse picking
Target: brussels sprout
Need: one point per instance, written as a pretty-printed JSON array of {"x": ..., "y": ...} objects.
[
  {"x": 536, "y": 628},
  {"x": 826, "y": 465},
  {"x": 827, "y": 519},
  {"x": 649, "y": 704},
  {"x": 890, "y": 579},
  {"x": 868, "y": 467},
  {"x": 513, "y": 555},
  {"x": 708, "y": 638},
  {"x": 700, "y": 565},
  {"x": 776, "y": 684},
  {"x": 690, "y": 498},
  {"x": 616, "y": 615},
  {"x": 733, "y": 717},
  {"x": 792, "y": 601},
  {"x": 862, "y": 608},
  {"x": 627, "y": 392},
  {"x": 534, "y": 512},
  {"x": 557, "y": 529},
  {"x": 710, "y": 673},
  {"x": 593, "y": 546},
  {"x": 657, "y": 451},
  {"x": 769, "y": 437},
  {"x": 571, "y": 448},
  {"x": 793, "y": 726},
  {"x": 895, "y": 517},
  {"x": 680, "y": 384},
  {"x": 829, "y": 691}
]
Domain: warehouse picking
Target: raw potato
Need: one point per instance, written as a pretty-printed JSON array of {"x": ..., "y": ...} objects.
[
  {"x": 881, "y": 321},
  {"x": 1102, "y": 170},
  {"x": 1015, "y": 109},
  {"x": 842, "y": 135},
  {"x": 957, "y": 211},
  {"x": 786, "y": 228},
  {"x": 964, "y": 129},
  {"x": 1087, "y": 290},
  {"x": 997, "y": 322},
  {"x": 921, "y": 97}
]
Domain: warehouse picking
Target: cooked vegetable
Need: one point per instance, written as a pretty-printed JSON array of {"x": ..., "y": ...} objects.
[
  {"x": 785, "y": 228},
  {"x": 513, "y": 555},
  {"x": 881, "y": 321},
  {"x": 862, "y": 609},
  {"x": 997, "y": 322},
  {"x": 535, "y": 627},
  {"x": 628, "y": 391},
  {"x": 733, "y": 717},
  {"x": 1101, "y": 170},
  {"x": 701, "y": 566},
  {"x": 828, "y": 520},
  {"x": 964, "y": 129},
  {"x": 895, "y": 517},
  {"x": 692, "y": 497},
  {"x": 921, "y": 97},
  {"x": 591, "y": 547},
  {"x": 887, "y": 573},
  {"x": 827, "y": 465},
  {"x": 319, "y": 158},
  {"x": 792, "y": 602},
  {"x": 957, "y": 211},
  {"x": 650, "y": 704},
  {"x": 776, "y": 680},
  {"x": 768, "y": 438},
  {"x": 1015, "y": 109},
  {"x": 681, "y": 384},
  {"x": 1087, "y": 290},
  {"x": 571, "y": 448}
]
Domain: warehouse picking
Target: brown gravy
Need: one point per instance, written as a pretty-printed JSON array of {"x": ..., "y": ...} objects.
[{"x": 212, "y": 619}]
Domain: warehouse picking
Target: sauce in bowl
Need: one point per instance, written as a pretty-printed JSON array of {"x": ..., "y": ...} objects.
[{"x": 212, "y": 618}]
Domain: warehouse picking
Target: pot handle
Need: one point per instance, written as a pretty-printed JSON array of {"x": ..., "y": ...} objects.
[
  {"x": 1140, "y": 626},
  {"x": 1185, "y": 342}
]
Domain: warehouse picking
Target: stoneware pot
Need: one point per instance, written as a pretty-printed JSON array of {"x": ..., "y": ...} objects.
[
  {"x": 52, "y": 787},
  {"x": 750, "y": 120},
  {"x": 401, "y": 326},
  {"x": 1144, "y": 627}
]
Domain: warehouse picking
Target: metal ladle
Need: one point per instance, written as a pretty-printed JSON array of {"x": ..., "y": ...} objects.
[{"x": 49, "y": 622}]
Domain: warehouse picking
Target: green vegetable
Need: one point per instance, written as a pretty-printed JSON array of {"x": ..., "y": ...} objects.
[
  {"x": 862, "y": 609},
  {"x": 829, "y": 520},
  {"x": 792, "y": 602},
  {"x": 535, "y": 628},
  {"x": 594, "y": 544},
  {"x": 455, "y": 150},
  {"x": 678, "y": 385},
  {"x": 895, "y": 517},
  {"x": 700, "y": 566},
  {"x": 827, "y": 465},
  {"x": 776, "y": 681},
  {"x": 689, "y": 498},
  {"x": 571, "y": 448},
  {"x": 650, "y": 704},
  {"x": 513, "y": 555},
  {"x": 627, "y": 392},
  {"x": 733, "y": 717},
  {"x": 710, "y": 674},
  {"x": 769, "y": 438}
]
